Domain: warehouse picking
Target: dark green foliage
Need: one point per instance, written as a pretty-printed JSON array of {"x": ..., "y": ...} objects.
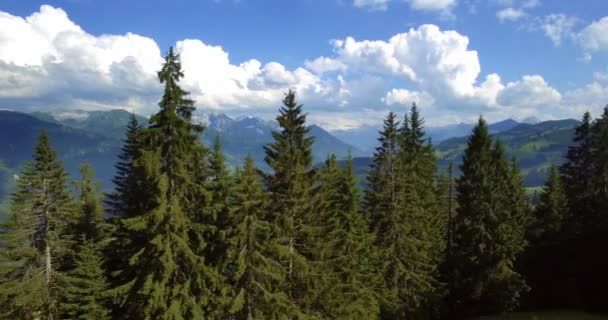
[
  {"x": 167, "y": 278},
  {"x": 293, "y": 210},
  {"x": 85, "y": 287},
  {"x": 91, "y": 223},
  {"x": 346, "y": 247},
  {"x": 380, "y": 194},
  {"x": 550, "y": 243},
  {"x": 259, "y": 280},
  {"x": 409, "y": 234},
  {"x": 488, "y": 230},
  {"x": 220, "y": 187},
  {"x": 36, "y": 242}
]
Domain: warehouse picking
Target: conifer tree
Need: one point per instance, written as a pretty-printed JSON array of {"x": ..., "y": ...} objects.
[
  {"x": 219, "y": 187},
  {"x": 122, "y": 201},
  {"x": 381, "y": 191},
  {"x": 548, "y": 240},
  {"x": 259, "y": 278},
  {"x": 85, "y": 287},
  {"x": 91, "y": 222},
  {"x": 411, "y": 238},
  {"x": 346, "y": 249},
  {"x": 488, "y": 230},
  {"x": 36, "y": 243},
  {"x": 577, "y": 172},
  {"x": 594, "y": 222},
  {"x": 167, "y": 278},
  {"x": 291, "y": 187}
]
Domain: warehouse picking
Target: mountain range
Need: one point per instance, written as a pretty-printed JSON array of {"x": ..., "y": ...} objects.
[
  {"x": 95, "y": 137},
  {"x": 365, "y": 137}
]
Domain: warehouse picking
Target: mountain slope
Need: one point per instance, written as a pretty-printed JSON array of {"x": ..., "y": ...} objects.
[{"x": 536, "y": 146}]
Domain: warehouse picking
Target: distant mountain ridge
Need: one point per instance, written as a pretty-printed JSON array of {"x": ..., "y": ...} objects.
[
  {"x": 536, "y": 147},
  {"x": 366, "y": 137},
  {"x": 96, "y": 137}
]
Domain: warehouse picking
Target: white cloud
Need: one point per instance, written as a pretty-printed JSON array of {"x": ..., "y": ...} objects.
[
  {"x": 432, "y": 5},
  {"x": 46, "y": 60},
  {"x": 594, "y": 37},
  {"x": 529, "y": 4},
  {"x": 436, "y": 60},
  {"x": 558, "y": 26},
  {"x": 510, "y": 14},
  {"x": 406, "y": 97},
  {"x": 443, "y": 6},
  {"x": 601, "y": 76},
  {"x": 372, "y": 4},
  {"x": 322, "y": 65},
  {"x": 530, "y": 92}
]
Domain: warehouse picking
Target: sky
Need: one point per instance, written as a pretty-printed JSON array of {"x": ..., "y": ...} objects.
[{"x": 350, "y": 61}]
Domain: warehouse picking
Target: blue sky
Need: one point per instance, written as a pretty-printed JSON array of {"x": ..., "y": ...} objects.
[{"x": 350, "y": 60}]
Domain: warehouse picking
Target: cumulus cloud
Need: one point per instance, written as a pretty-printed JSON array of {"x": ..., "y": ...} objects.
[
  {"x": 322, "y": 65},
  {"x": 510, "y": 14},
  {"x": 48, "y": 61},
  {"x": 531, "y": 92},
  {"x": 406, "y": 97},
  {"x": 594, "y": 37}
]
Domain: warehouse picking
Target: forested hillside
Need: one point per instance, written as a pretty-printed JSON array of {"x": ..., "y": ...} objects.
[{"x": 184, "y": 236}]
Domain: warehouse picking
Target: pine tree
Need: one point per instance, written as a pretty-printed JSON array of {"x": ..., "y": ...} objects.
[
  {"x": 91, "y": 223},
  {"x": 593, "y": 263},
  {"x": 259, "y": 278},
  {"x": 219, "y": 187},
  {"x": 380, "y": 194},
  {"x": 488, "y": 230},
  {"x": 346, "y": 247},
  {"x": 122, "y": 201},
  {"x": 411, "y": 238},
  {"x": 548, "y": 239},
  {"x": 167, "y": 278},
  {"x": 290, "y": 184},
  {"x": 36, "y": 245},
  {"x": 85, "y": 287},
  {"x": 577, "y": 173}
]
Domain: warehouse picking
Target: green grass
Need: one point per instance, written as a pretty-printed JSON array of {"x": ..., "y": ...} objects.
[{"x": 555, "y": 315}]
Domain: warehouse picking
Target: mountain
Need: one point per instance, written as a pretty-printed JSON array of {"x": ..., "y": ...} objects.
[
  {"x": 110, "y": 123},
  {"x": 95, "y": 137},
  {"x": 536, "y": 146},
  {"x": 366, "y": 137},
  {"x": 19, "y": 133}
]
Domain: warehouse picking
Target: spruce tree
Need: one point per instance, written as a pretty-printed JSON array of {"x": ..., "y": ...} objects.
[
  {"x": 219, "y": 187},
  {"x": 122, "y": 201},
  {"x": 166, "y": 276},
  {"x": 91, "y": 222},
  {"x": 578, "y": 171},
  {"x": 346, "y": 247},
  {"x": 411, "y": 238},
  {"x": 291, "y": 186},
  {"x": 259, "y": 278},
  {"x": 488, "y": 230},
  {"x": 550, "y": 287},
  {"x": 380, "y": 194},
  {"x": 594, "y": 222},
  {"x": 85, "y": 287},
  {"x": 36, "y": 244}
]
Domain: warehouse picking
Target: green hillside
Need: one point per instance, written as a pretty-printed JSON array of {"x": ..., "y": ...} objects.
[{"x": 536, "y": 146}]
